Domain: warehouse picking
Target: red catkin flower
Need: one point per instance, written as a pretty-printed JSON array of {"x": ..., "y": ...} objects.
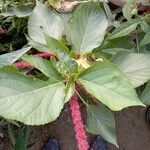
[
  {"x": 44, "y": 54},
  {"x": 78, "y": 124},
  {"x": 23, "y": 64}
]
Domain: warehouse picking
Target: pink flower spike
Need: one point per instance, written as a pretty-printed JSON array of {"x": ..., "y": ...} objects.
[
  {"x": 44, "y": 54},
  {"x": 23, "y": 64},
  {"x": 78, "y": 124}
]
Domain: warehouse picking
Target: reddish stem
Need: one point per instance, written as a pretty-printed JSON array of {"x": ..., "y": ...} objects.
[
  {"x": 78, "y": 124},
  {"x": 23, "y": 64}
]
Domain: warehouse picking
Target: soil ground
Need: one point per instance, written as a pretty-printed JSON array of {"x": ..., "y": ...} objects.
[{"x": 132, "y": 131}]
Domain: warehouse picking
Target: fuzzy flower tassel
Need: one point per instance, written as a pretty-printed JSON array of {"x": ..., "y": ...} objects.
[
  {"x": 78, "y": 124},
  {"x": 23, "y": 64}
]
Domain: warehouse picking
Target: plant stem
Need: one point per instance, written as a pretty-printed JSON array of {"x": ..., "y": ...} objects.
[
  {"x": 137, "y": 43},
  {"x": 80, "y": 133},
  {"x": 26, "y": 136},
  {"x": 11, "y": 135},
  {"x": 108, "y": 12},
  {"x": 82, "y": 99}
]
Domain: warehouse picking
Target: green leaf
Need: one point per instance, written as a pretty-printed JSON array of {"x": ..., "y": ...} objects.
[
  {"x": 27, "y": 133},
  {"x": 115, "y": 45},
  {"x": 66, "y": 64},
  {"x": 135, "y": 66},
  {"x": 145, "y": 26},
  {"x": 127, "y": 10},
  {"x": 100, "y": 121},
  {"x": 11, "y": 135},
  {"x": 145, "y": 96},
  {"x": 55, "y": 3},
  {"x": 86, "y": 28},
  {"x": 22, "y": 138},
  {"x": 108, "y": 12},
  {"x": 121, "y": 42},
  {"x": 43, "y": 21},
  {"x": 18, "y": 11},
  {"x": 56, "y": 46},
  {"x": 44, "y": 66},
  {"x": 146, "y": 39},
  {"x": 20, "y": 142},
  {"x": 109, "y": 85},
  {"x": 37, "y": 46},
  {"x": 10, "y": 58},
  {"x": 70, "y": 90},
  {"x": 29, "y": 100},
  {"x": 124, "y": 29}
]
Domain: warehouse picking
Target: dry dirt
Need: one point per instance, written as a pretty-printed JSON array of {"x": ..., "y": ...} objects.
[{"x": 132, "y": 130}]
